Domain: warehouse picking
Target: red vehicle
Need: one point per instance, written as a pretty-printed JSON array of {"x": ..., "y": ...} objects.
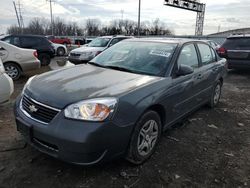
[{"x": 60, "y": 40}]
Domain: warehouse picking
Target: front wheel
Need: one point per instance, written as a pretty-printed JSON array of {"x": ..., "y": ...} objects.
[
  {"x": 215, "y": 97},
  {"x": 60, "y": 51},
  {"x": 145, "y": 138}
]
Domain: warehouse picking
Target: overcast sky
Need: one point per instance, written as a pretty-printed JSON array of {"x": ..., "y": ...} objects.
[{"x": 226, "y": 14}]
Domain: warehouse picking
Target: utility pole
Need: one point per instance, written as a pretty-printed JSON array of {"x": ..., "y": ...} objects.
[
  {"x": 18, "y": 21},
  {"x": 51, "y": 17},
  {"x": 20, "y": 14},
  {"x": 122, "y": 12},
  {"x": 139, "y": 18}
]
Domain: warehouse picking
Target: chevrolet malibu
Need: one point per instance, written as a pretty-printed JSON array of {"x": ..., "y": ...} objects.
[{"x": 119, "y": 104}]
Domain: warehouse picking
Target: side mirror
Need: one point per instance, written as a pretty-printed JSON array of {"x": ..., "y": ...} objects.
[{"x": 184, "y": 70}]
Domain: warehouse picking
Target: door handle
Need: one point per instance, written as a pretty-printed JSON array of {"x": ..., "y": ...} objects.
[
  {"x": 215, "y": 69},
  {"x": 199, "y": 77}
]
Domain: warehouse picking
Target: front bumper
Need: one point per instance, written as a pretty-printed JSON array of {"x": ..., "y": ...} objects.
[
  {"x": 77, "y": 142},
  {"x": 77, "y": 61}
]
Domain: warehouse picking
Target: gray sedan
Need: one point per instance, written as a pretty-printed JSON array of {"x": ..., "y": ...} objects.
[{"x": 119, "y": 104}]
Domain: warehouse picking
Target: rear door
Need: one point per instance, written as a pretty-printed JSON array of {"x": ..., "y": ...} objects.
[
  {"x": 186, "y": 88},
  {"x": 209, "y": 69},
  {"x": 238, "y": 48}
]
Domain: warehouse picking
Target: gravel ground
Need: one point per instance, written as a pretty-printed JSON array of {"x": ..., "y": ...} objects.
[{"x": 210, "y": 149}]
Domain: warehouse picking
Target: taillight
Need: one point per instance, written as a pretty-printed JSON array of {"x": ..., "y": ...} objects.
[
  {"x": 35, "y": 54},
  {"x": 222, "y": 51}
]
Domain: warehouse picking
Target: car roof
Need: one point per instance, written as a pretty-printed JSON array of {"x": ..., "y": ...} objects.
[
  {"x": 116, "y": 36},
  {"x": 24, "y": 35},
  {"x": 239, "y": 36},
  {"x": 165, "y": 40}
]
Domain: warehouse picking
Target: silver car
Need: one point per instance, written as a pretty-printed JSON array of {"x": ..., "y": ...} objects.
[
  {"x": 18, "y": 60},
  {"x": 86, "y": 53}
]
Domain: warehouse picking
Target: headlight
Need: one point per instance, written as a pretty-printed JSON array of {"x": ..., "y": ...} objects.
[
  {"x": 28, "y": 83},
  {"x": 91, "y": 110}
]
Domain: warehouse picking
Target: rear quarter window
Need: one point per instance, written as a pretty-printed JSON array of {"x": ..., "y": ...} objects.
[{"x": 206, "y": 54}]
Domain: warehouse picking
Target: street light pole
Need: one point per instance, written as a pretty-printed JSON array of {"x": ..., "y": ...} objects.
[
  {"x": 51, "y": 17},
  {"x": 139, "y": 18}
]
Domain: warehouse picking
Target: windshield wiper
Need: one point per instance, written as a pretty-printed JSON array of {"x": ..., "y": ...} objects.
[{"x": 121, "y": 69}]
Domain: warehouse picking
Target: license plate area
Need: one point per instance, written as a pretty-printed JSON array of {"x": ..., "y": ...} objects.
[{"x": 24, "y": 129}]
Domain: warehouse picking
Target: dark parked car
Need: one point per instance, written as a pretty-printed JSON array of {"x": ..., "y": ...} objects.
[
  {"x": 236, "y": 49},
  {"x": 119, "y": 103},
  {"x": 43, "y": 46}
]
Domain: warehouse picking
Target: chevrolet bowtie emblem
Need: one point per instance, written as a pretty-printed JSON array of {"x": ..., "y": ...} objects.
[{"x": 32, "y": 108}]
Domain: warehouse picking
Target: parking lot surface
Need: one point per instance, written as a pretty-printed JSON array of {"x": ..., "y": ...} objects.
[{"x": 210, "y": 149}]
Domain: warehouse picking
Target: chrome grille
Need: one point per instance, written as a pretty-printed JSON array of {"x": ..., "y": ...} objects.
[
  {"x": 75, "y": 55},
  {"x": 38, "y": 111}
]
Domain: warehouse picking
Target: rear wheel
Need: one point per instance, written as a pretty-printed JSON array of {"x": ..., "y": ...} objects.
[
  {"x": 145, "y": 138},
  {"x": 215, "y": 97},
  {"x": 13, "y": 70},
  {"x": 45, "y": 59},
  {"x": 60, "y": 51}
]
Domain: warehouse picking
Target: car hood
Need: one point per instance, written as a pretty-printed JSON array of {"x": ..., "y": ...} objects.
[
  {"x": 88, "y": 49},
  {"x": 63, "y": 87}
]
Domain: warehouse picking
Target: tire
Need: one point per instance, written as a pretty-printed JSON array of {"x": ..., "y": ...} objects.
[
  {"x": 60, "y": 51},
  {"x": 145, "y": 138},
  {"x": 216, "y": 94},
  {"x": 13, "y": 70},
  {"x": 45, "y": 59}
]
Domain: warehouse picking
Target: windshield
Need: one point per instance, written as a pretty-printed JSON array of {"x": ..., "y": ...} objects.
[
  {"x": 150, "y": 58},
  {"x": 99, "y": 42}
]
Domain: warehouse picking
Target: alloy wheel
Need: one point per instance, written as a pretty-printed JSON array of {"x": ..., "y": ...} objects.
[
  {"x": 217, "y": 93},
  {"x": 147, "y": 137},
  {"x": 12, "y": 71}
]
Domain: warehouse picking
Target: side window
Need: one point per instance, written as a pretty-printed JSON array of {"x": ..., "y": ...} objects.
[
  {"x": 28, "y": 42},
  {"x": 214, "y": 58},
  {"x": 188, "y": 56},
  {"x": 15, "y": 41},
  {"x": 7, "y": 39},
  {"x": 206, "y": 55},
  {"x": 114, "y": 41}
]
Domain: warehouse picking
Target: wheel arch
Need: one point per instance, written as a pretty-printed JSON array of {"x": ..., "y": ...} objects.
[
  {"x": 160, "y": 110},
  {"x": 13, "y": 62}
]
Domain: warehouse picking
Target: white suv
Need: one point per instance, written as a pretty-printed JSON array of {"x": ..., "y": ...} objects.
[{"x": 6, "y": 85}]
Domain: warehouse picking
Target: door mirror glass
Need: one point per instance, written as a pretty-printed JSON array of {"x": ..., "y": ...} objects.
[{"x": 184, "y": 70}]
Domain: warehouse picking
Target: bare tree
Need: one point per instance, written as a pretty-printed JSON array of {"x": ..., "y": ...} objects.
[{"x": 92, "y": 27}]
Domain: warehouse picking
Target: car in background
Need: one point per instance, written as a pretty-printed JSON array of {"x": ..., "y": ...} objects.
[
  {"x": 118, "y": 104},
  {"x": 59, "y": 40},
  {"x": 18, "y": 60},
  {"x": 236, "y": 49},
  {"x": 213, "y": 44},
  {"x": 43, "y": 46},
  {"x": 6, "y": 85},
  {"x": 60, "y": 49},
  {"x": 95, "y": 47}
]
